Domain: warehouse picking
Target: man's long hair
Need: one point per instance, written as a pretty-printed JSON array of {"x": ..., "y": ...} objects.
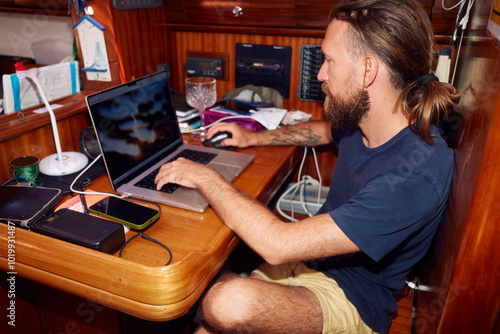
[{"x": 399, "y": 33}]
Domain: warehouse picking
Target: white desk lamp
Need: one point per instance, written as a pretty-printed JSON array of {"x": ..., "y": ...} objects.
[{"x": 60, "y": 163}]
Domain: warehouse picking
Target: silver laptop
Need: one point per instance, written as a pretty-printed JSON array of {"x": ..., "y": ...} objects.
[{"x": 137, "y": 130}]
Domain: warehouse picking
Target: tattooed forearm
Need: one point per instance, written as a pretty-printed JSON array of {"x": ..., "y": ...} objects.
[{"x": 303, "y": 136}]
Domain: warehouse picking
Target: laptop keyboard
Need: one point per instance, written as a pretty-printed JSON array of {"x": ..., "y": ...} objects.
[{"x": 148, "y": 182}]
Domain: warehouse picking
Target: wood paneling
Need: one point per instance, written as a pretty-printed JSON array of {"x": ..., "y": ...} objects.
[
  {"x": 28, "y": 133},
  {"x": 154, "y": 39},
  {"x": 277, "y": 13},
  {"x": 142, "y": 41},
  {"x": 174, "y": 11},
  {"x": 313, "y": 13},
  {"x": 226, "y": 43},
  {"x": 53, "y": 4},
  {"x": 184, "y": 41},
  {"x": 25, "y": 303},
  {"x": 53, "y": 7},
  {"x": 282, "y": 13},
  {"x": 463, "y": 264}
]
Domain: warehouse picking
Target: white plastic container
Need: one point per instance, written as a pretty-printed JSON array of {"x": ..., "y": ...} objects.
[{"x": 52, "y": 50}]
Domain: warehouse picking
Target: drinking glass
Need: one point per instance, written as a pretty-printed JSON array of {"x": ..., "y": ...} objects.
[{"x": 201, "y": 94}]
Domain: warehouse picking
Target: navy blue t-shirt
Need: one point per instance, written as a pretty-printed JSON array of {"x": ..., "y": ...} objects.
[{"x": 388, "y": 201}]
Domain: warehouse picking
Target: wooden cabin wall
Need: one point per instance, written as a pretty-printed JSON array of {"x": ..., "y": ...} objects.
[
  {"x": 145, "y": 39},
  {"x": 185, "y": 41},
  {"x": 150, "y": 42},
  {"x": 142, "y": 41},
  {"x": 463, "y": 267}
]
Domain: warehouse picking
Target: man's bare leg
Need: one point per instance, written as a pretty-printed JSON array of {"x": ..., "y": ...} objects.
[{"x": 252, "y": 305}]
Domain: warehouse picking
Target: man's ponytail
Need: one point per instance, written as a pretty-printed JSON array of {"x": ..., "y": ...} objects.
[{"x": 427, "y": 101}]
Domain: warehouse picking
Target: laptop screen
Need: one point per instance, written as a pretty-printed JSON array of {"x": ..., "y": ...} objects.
[{"x": 136, "y": 124}]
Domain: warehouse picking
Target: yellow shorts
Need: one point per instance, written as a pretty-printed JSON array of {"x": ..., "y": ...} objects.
[{"x": 339, "y": 315}]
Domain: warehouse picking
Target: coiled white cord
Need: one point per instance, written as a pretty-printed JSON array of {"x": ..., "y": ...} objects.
[{"x": 303, "y": 181}]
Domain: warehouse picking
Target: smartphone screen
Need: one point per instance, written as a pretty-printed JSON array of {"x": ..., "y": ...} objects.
[{"x": 128, "y": 213}]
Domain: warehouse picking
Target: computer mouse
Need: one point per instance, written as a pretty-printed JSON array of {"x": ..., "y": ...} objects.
[{"x": 216, "y": 140}]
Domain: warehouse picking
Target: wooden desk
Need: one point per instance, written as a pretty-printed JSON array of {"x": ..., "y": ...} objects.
[{"x": 138, "y": 283}]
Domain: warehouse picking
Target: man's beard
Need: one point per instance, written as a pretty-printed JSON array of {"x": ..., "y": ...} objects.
[{"x": 345, "y": 112}]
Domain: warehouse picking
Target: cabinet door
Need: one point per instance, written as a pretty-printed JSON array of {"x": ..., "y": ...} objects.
[
  {"x": 52, "y": 5},
  {"x": 277, "y": 13},
  {"x": 313, "y": 13}
]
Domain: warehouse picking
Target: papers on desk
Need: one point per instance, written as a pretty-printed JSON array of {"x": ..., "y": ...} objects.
[
  {"x": 189, "y": 122},
  {"x": 57, "y": 81},
  {"x": 187, "y": 116},
  {"x": 270, "y": 118}
]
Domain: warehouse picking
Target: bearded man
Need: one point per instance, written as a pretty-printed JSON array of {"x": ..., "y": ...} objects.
[{"x": 339, "y": 270}]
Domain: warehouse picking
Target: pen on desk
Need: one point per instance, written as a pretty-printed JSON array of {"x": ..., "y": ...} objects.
[{"x": 84, "y": 204}]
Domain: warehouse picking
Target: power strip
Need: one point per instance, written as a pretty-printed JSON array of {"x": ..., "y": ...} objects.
[
  {"x": 443, "y": 66},
  {"x": 292, "y": 200}
]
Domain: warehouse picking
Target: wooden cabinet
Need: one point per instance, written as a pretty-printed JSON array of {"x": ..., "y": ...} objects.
[
  {"x": 252, "y": 13},
  {"x": 52, "y": 7},
  {"x": 53, "y": 4},
  {"x": 278, "y": 13},
  {"x": 301, "y": 14},
  {"x": 313, "y": 13}
]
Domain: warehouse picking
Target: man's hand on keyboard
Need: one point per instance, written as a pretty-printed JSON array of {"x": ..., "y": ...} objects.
[{"x": 187, "y": 173}]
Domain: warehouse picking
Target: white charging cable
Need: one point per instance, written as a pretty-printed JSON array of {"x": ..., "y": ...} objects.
[
  {"x": 303, "y": 181},
  {"x": 91, "y": 192}
]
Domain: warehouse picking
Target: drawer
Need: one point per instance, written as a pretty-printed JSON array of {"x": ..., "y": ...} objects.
[{"x": 280, "y": 13}]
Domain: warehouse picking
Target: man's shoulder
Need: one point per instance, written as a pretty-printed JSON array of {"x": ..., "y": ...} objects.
[
  {"x": 412, "y": 155},
  {"x": 424, "y": 156}
]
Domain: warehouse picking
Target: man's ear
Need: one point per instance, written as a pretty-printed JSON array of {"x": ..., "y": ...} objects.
[{"x": 371, "y": 71}]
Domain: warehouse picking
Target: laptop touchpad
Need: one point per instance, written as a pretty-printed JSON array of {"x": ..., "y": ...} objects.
[{"x": 227, "y": 171}]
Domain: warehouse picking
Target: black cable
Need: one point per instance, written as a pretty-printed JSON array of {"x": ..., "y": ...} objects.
[
  {"x": 84, "y": 203},
  {"x": 144, "y": 235},
  {"x": 147, "y": 237}
]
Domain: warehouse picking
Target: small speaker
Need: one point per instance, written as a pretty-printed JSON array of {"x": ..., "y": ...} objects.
[{"x": 88, "y": 143}]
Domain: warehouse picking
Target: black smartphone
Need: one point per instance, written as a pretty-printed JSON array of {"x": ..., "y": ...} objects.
[
  {"x": 237, "y": 106},
  {"x": 126, "y": 212}
]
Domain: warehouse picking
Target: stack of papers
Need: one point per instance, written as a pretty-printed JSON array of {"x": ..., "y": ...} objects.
[
  {"x": 187, "y": 116},
  {"x": 189, "y": 122}
]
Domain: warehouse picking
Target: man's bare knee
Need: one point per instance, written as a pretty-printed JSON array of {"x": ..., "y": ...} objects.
[{"x": 227, "y": 305}]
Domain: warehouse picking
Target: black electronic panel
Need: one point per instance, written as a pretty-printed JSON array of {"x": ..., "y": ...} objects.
[
  {"x": 264, "y": 65},
  {"x": 205, "y": 67},
  {"x": 311, "y": 60}
]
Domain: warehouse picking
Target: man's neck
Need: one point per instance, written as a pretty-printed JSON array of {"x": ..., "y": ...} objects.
[{"x": 380, "y": 125}]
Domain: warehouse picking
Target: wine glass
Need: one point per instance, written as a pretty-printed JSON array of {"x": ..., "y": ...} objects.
[{"x": 201, "y": 94}]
